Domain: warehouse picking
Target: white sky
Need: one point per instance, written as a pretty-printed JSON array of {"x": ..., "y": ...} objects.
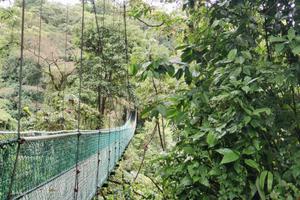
[
  {"x": 7, "y": 3},
  {"x": 66, "y": 2},
  {"x": 156, "y": 3}
]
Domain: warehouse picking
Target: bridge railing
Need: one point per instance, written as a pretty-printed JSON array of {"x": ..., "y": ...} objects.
[{"x": 48, "y": 166}]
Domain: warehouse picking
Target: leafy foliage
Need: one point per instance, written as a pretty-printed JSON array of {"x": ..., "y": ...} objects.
[{"x": 237, "y": 122}]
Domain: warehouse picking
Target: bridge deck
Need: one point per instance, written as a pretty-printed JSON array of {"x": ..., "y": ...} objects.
[{"x": 46, "y": 166}]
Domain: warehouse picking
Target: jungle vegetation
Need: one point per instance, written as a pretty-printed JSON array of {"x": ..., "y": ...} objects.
[{"x": 216, "y": 84}]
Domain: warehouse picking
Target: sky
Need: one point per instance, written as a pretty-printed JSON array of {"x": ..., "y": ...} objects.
[
  {"x": 156, "y": 3},
  {"x": 7, "y": 3}
]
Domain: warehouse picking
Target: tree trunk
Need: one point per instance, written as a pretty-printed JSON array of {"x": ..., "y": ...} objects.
[
  {"x": 103, "y": 102},
  {"x": 163, "y": 132}
]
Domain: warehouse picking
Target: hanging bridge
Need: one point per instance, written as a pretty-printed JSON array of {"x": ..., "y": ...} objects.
[{"x": 61, "y": 165}]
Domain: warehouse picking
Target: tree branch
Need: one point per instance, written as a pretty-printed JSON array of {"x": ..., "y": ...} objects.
[
  {"x": 156, "y": 185},
  {"x": 144, "y": 153},
  {"x": 150, "y": 25}
]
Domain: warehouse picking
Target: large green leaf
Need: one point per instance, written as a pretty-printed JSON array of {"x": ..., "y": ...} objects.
[
  {"x": 262, "y": 110},
  {"x": 270, "y": 181},
  {"x": 186, "y": 181},
  {"x": 262, "y": 179},
  {"x": 232, "y": 54},
  {"x": 249, "y": 150},
  {"x": 279, "y": 47},
  {"x": 211, "y": 139},
  {"x": 228, "y": 155},
  {"x": 252, "y": 163},
  {"x": 277, "y": 39},
  {"x": 291, "y": 34},
  {"x": 259, "y": 190},
  {"x": 296, "y": 49}
]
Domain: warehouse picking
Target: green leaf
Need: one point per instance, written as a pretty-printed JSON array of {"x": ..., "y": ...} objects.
[
  {"x": 133, "y": 69},
  {"x": 179, "y": 73},
  {"x": 187, "y": 76},
  {"x": 262, "y": 179},
  {"x": 186, "y": 181},
  {"x": 260, "y": 192},
  {"x": 262, "y": 110},
  {"x": 146, "y": 112},
  {"x": 203, "y": 97},
  {"x": 232, "y": 54},
  {"x": 191, "y": 171},
  {"x": 270, "y": 181},
  {"x": 246, "y": 89},
  {"x": 146, "y": 65},
  {"x": 249, "y": 150},
  {"x": 279, "y": 47},
  {"x": 221, "y": 97},
  {"x": 235, "y": 73},
  {"x": 247, "y": 54},
  {"x": 204, "y": 181},
  {"x": 228, "y": 155},
  {"x": 214, "y": 172},
  {"x": 257, "y": 144},
  {"x": 187, "y": 55},
  {"x": 277, "y": 39},
  {"x": 296, "y": 50},
  {"x": 240, "y": 60},
  {"x": 181, "y": 47},
  {"x": 170, "y": 70},
  {"x": 291, "y": 34},
  {"x": 161, "y": 109},
  {"x": 211, "y": 139},
  {"x": 215, "y": 23},
  {"x": 252, "y": 163}
]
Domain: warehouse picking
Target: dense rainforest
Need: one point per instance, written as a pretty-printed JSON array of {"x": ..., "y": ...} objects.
[{"x": 216, "y": 84}]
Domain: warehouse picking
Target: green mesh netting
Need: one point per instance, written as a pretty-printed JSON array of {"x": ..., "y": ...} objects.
[{"x": 46, "y": 167}]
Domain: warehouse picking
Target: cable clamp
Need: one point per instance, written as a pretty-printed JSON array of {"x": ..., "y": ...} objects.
[{"x": 21, "y": 140}]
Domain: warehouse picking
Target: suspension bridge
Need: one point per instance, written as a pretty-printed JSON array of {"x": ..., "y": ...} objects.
[
  {"x": 66, "y": 164},
  {"x": 51, "y": 165}
]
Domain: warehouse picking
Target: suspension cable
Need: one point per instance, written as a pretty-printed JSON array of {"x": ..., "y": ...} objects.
[
  {"x": 108, "y": 92},
  {"x": 40, "y": 31},
  {"x": 65, "y": 61},
  {"x": 100, "y": 53},
  {"x": 81, "y": 67},
  {"x": 21, "y": 70},
  {"x": 116, "y": 124},
  {"x": 76, "y": 189},
  {"x": 100, "y": 49},
  {"x": 39, "y": 50},
  {"x": 12, "y": 178},
  {"x": 125, "y": 31},
  {"x": 126, "y": 48},
  {"x": 109, "y": 142}
]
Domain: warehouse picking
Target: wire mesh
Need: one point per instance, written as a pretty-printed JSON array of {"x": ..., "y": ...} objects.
[{"x": 46, "y": 163}]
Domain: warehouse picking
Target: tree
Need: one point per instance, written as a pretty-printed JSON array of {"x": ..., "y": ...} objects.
[{"x": 237, "y": 122}]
